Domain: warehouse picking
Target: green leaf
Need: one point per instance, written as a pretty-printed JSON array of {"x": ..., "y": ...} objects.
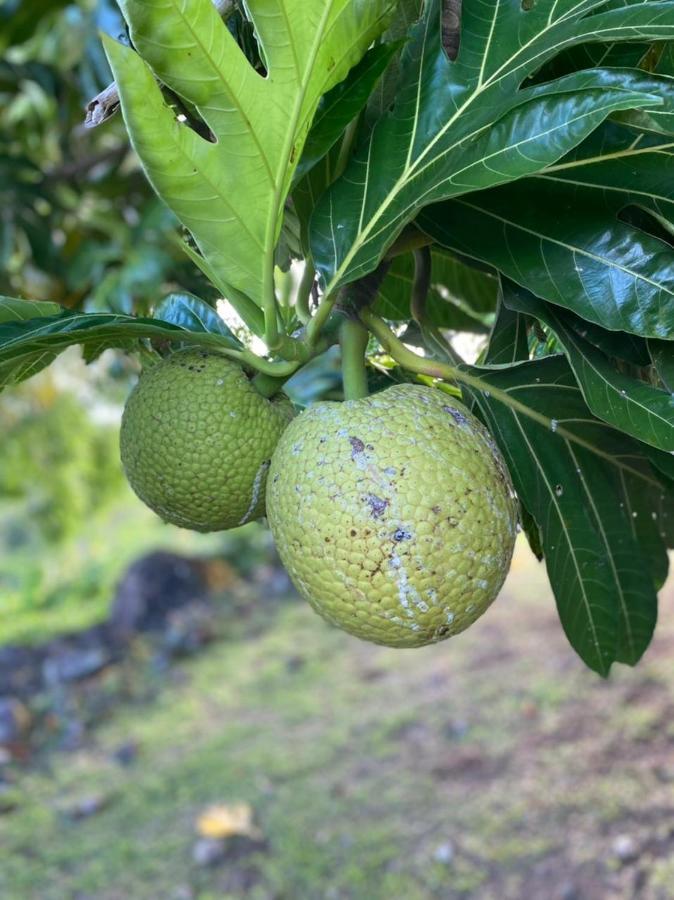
[
  {"x": 192, "y": 314},
  {"x": 464, "y": 126},
  {"x": 342, "y": 104},
  {"x": 662, "y": 354},
  {"x": 569, "y": 477},
  {"x": 508, "y": 342},
  {"x": 625, "y": 165},
  {"x": 230, "y": 193},
  {"x": 15, "y": 310},
  {"x": 564, "y": 246},
  {"x": 632, "y": 406},
  {"x": 28, "y": 346},
  {"x": 461, "y": 297}
]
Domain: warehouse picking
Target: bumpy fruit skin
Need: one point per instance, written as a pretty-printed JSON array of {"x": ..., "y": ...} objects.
[
  {"x": 394, "y": 515},
  {"x": 197, "y": 439}
]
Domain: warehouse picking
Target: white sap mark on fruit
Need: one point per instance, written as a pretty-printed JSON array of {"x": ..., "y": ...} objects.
[
  {"x": 220, "y": 381},
  {"x": 390, "y": 471},
  {"x": 406, "y": 592},
  {"x": 343, "y": 432},
  {"x": 482, "y": 583},
  {"x": 654, "y": 515},
  {"x": 297, "y": 449},
  {"x": 559, "y": 490},
  {"x": 470, "y": 607},
  {"x": 257, "y": 487},
  {"x": 449, "y": 618},
  {"x": 634, "y": 515},
  {"x": 232, "y": 414},
  {"x": 553, "y": 425}
]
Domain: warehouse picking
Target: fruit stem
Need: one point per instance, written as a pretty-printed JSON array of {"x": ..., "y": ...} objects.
[
  {"x": 304, "y": 292},
  {"x": 409, "y": 360},
  {"x": 353, "y": 341},
  {"x": 267, "y": 385}
]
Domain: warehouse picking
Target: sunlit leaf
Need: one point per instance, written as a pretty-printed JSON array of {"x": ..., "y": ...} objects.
[{"x": 230, "y": 192}]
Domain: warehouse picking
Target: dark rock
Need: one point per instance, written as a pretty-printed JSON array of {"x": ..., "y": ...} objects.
[
  {"x": 189, "y": 629},
  {"x": 20, "y": 670},
  {"x": 152, "y": 588},
  {"x": 67, "y": 662},
  {"x": 15, "y": 721},
  {"x": 126, "y": 754},
  {"x": 208, "y": 852}
]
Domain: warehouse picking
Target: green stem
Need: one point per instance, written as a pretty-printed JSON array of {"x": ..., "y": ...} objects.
[
  {"x": 347, "y": 146},
  {"x": 267, "y": 385},
  {"x": 421, "y": 284},
  {"x": 270, "y": 307},
  {"x": 422, "y": 366},
  {"x": 320, "y": 317},
  {"x": 277, "y": 369},
  {"x": 353, "y": 341},
  {"x": 410, "y": 239},
  {"x": 304, "y": 293}
]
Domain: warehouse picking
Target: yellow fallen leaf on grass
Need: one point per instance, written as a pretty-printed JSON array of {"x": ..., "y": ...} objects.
[{"x": 223, "y": 821}]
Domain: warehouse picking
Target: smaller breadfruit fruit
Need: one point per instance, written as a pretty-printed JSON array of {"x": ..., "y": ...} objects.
[
  {"x": 197, "y": 438},
  {"x": 394, "y": 515}
]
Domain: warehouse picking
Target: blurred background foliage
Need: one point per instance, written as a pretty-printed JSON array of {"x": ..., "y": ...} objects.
[
  {"x": 78, "y": 221},
  {"x": 79, "y": 225}
]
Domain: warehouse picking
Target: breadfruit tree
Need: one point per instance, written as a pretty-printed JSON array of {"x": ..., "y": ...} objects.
[{"x": 383, "y": 175}]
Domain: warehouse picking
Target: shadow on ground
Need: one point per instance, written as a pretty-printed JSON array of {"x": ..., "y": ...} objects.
[{"x": 490, "y": 766}]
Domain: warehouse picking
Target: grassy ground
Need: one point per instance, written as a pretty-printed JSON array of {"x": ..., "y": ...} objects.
[
  {"x": 491, "y": 766},
  {"x": 48, "y": 590}
]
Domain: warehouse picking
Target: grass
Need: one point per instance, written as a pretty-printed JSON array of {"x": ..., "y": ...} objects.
[{"x": 360, "y": 762}]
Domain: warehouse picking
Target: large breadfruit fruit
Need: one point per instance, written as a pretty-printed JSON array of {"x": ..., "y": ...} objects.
[{"x": 394, "y": 515}]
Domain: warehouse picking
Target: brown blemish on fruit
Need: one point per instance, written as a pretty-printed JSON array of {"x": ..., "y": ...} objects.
[
  {"x": 458, "y": 416},
  {"x": 377, "y": 505},
  {"x": 357, "y": 446}
]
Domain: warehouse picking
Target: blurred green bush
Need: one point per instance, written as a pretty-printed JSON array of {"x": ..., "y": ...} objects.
[{"x": 57, "y": 465}]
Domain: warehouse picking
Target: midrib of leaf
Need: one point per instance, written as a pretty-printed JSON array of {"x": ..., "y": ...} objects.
[
  {"x": 504, "y": 397},
  {"x": 220, "y": 195},
  {"x": 600, "y": 525},
  {"x": 284, "y": 159},
  {"x": 575, "y": 250},
  {"x": 514, "y": 146},
  {"x": 562, "y": 521},
  {"x": 591, "y": 160},
  {"x": 633, "y": 192},
  {"x": 228, "y": 88}
]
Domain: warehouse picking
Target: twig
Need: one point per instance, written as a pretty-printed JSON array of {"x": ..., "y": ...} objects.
[{"x": 104, "y": 105}]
